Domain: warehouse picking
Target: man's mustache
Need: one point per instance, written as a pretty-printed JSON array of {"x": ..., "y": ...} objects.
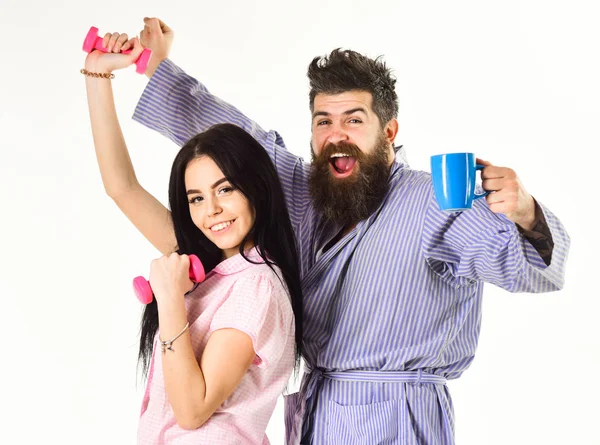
[{"x": 341, "y": 147}]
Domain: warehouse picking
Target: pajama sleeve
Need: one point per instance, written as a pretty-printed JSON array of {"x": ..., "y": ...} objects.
[
  {"x": 256, "y": 306},
  {"x": 479, "y": 245}
]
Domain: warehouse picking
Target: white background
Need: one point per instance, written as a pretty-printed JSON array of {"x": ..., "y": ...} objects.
[{"x": 517, "y": 82}]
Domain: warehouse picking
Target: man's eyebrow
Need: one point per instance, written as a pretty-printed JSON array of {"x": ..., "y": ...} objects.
[
  {"x": 351, "y": 111},
  {"x": 355, "y": 110},
  {"x": 320, "y": 113},
  {"x": 193, "y": 191}
]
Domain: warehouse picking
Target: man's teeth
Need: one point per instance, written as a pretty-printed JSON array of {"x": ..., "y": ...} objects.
[
  {"x": 339, "y": 155},
  {"x": 220, "y": 226}
]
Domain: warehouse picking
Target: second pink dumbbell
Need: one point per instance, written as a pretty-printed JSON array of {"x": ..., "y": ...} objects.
[
  {"x": 92, "y": 42},
  {"x": 142, "y": 288}
]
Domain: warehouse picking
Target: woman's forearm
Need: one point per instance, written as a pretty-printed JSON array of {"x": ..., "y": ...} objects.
[
  {"x": 184, "y": 380},
  {"x": 113, "y": 158}
]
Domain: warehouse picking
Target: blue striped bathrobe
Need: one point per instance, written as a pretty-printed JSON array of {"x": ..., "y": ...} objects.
[{"x": 393, "y": 309}]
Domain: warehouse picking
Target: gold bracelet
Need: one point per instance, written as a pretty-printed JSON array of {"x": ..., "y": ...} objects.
[
  {"x": 169, "y": 343},
  {"x": 103, "y": 75}
]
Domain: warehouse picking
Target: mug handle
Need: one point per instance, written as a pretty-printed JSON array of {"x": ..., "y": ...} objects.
[{"x": 475, "y": 195}]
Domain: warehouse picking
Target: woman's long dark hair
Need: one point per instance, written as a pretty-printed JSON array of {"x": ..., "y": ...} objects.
[{"x": 246, "y": 164}]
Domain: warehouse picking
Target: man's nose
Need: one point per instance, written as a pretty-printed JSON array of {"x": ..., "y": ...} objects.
[{"x": 336, "y": 135}]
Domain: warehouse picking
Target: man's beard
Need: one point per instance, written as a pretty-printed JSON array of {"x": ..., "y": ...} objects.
[{"x": 349, "y": 200}]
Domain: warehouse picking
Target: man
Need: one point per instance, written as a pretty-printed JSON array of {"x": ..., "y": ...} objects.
[{"x": 392, "y": 285}]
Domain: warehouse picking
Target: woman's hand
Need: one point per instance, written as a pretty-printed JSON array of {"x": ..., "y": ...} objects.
[
  {"x": 98, "y": 61},
  {"x": 169, "y": 278}
]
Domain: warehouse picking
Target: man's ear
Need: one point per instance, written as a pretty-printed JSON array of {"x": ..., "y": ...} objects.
[{"x": 391, "y": 130}]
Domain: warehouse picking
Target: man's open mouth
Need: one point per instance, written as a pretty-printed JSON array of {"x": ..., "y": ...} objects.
[{"x": 342, "y": 164}]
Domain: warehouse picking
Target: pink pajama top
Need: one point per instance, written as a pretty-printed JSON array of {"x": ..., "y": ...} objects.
[{"x": 248, "y": 297}]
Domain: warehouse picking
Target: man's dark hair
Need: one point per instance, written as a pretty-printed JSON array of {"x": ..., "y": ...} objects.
[{"x": 347, "y": 70}]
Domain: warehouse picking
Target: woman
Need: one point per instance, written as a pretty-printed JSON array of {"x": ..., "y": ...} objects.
[{"x": 229, "y": 343}]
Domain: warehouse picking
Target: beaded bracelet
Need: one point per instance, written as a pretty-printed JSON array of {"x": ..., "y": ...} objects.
[{"x": 103, "y": 75}]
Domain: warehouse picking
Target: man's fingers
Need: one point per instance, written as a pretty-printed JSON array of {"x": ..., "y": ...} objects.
[
  {"x": 143, "y": 37},
  {"x": 497, "y": 207},
  {"x": 492, "y": 172},
  {"x": 492, "y": 185},
  {"x": 163, "y": 26},
  {"x": 495, "y": 198},
  {"x": 153, "y": 24}
]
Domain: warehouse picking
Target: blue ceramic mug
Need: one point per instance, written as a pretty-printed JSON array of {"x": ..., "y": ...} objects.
[{"x": 453, "y": 176}]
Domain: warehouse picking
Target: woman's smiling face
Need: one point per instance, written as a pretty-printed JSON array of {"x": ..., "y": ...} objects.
[{"x": 217, "y": 208}]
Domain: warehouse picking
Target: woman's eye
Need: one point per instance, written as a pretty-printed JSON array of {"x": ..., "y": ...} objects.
[
  {"x": 196, "y": 199},
  {"x": 226, "y": 189}
]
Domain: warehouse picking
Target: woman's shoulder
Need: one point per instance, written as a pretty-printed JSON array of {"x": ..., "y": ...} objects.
[
  {"x": 270, "y": 275},
  {"x": 249, "y": 272},
  {"x": 263, "y": 294}
]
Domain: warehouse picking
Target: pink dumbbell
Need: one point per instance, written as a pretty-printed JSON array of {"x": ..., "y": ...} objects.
[
  {"x": 92, "y": 42},
  {"x": 142, "y": 288}
]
